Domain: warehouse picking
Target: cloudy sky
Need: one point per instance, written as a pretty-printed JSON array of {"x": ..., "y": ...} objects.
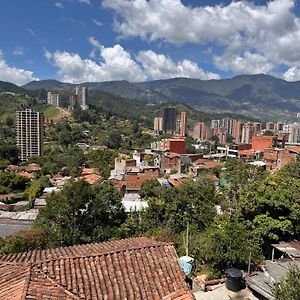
[{"x": 137, "y": 40}]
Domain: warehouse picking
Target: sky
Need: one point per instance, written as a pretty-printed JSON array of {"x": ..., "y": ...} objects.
[{"x": 138, "y": 40}]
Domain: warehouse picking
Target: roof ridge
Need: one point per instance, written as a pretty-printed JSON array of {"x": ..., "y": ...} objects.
[
  {"x": 59, "y": 285},
  {"x": 27, "y": 281}
]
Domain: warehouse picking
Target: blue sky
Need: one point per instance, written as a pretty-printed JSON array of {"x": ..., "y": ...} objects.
[{"x": 137, "y": 40}]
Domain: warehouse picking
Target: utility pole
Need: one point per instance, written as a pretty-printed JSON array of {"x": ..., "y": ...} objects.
[{"x": 187, "y": 240}]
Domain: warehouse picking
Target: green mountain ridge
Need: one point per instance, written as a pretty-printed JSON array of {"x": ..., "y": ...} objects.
[{"x": 261, "y": 96}]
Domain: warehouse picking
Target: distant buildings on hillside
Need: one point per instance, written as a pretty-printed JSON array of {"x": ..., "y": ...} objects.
[
  {"x": 79, "y": 99},
  {"x": 239, "y": 132},
  {"x": 169, "y": 122},
  {"x": 53, "y": 99},
  {"x": 30, "y": 133}
]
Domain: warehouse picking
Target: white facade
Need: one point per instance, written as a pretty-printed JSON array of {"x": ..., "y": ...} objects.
[
  {"x": 82, "y": 95},
  {"x": 30, "y": 133},
  {"x": 53, "y": 99}
]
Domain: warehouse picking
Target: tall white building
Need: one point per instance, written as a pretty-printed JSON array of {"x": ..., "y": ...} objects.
[
  {"x": 30, "y": 133},
  {"x": 53, "y": 99},
  {"x": 247, "y": 133},
  {"x": 294, "y": 133},
  {"x": 81, "y": 93}
]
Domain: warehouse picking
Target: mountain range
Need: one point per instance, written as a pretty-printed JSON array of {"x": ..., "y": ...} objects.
[
  {"x": 261, "y": 96},
  {"x": 257, "y": 96}
]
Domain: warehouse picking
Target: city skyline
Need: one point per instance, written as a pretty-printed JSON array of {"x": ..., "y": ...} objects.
[{"x": 145, "y": 40}]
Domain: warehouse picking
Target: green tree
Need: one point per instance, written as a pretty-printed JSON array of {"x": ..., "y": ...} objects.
[
  {"x": 9, "y": 152},
  {"x": 23, "y": 241},
  {"x": 268, "y": 133},
  {"x": 13, "y": 182},
  {"x": 150, "y": 188},
  {"x": 191, "y": 202},
  {"x": 103, "y": 159},
  {"x": 272, "y": 206},
  {"x": 82, "y": 213},
  {"x": 35, "y": 189},
  {"x": 226, "y": 244},
  {"x": 114, "y": 140},
  {"x": 289, "y": 287}
]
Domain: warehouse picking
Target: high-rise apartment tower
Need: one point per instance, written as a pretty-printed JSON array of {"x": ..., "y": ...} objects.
[
  {"x": 30, "y": 133},
  {"x": 169, "y": 119}
]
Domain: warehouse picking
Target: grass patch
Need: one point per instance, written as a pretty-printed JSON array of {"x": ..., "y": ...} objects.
[{"x": 51, "y": 112}]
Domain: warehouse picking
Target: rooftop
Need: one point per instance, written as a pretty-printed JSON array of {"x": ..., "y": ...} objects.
[
  {"x": 136, "y": 268},
  {"x": 206, "y": 163}
]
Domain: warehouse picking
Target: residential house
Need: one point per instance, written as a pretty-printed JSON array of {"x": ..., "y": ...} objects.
[
  {"x": 136, "y": 268},
  {"x": 264, "y": 280},
  {"x": 201, "y": 166}
]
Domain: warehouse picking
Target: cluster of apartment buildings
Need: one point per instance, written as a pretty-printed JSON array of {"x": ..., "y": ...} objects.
[
  {"x": 169, "y": 122},
  {"x": 78, "y": 99},
  {"x": 243, "y": 132},
  {"x": 53, "y": 99}
]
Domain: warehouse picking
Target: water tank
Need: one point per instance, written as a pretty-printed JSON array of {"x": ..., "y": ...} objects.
[{"x": 234, "y": 280}]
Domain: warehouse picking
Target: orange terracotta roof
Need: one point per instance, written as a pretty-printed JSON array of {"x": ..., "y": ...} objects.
[
  {"x": 92, "y": 178},
  {"x": 206, "y": 163},
  {"x": 88, "y": 171},
  {"x": 134, "y": 182},
  {"x": 136, "y": 268},
  {"x": 26, "y": 174},
  {"x": 246, "y": 152}
]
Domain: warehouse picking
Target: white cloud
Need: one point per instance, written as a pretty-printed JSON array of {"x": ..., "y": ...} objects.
[
  {"x": 31, "y": 31},
  {"x": 249, "y": 63},
  {"x": 85, "y": 2},
  {"x": 115, "y": 63},
  {"x": 59, "y": 5},
  {"x": 292, "y": 74},
  {"x": 13, "y": 74},
  {"x": 263, "y": 35},
  {"x": 98, "y": 23},
  {"x": 18, "y": 51},
  {"x": 159, "y": 66}
]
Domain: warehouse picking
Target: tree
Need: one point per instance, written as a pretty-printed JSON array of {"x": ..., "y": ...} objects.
[
  {"x": 238, "y": 175},
  {"x": 103, "y": 159},
  {"x": 23, "y": 241},
  {"x": 268, "y": 133},
  {"x": 226, "y": 244},
  {"x": 114, "y": 140},
  {"x": 82, "y": 213},
  {"x": 289, "y": 287},
  {"x": 191, "y": 202},
  {"x": 9, "y": 152},
  {"x": 35, "y": 189},
  {"x": 272, "y": 207},
  {"x": 150, "y": 188},
  {"x": 12, "y": 182},
  {"x": 135, "y": 127},
  {"x": 104, "y": 213}
]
